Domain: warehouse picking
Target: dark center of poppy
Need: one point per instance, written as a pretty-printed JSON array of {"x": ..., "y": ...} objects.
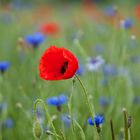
[{"x": 64, "y": 67}]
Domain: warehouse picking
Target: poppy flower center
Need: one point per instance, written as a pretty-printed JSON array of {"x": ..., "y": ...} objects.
[{"x": 64, "y": 67}]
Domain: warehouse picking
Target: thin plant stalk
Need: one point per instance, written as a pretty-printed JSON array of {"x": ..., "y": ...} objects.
[
  {"x": 125, "y": 124},
  {"x": 0, "y": 134},
  {"x": 112, "y": 130},
  {"x": 53, "y": 134},
  {"x": 90, "y": 106},
  {"x": 47, "y": 114},
  {"x": 62, "y": 135},
  {"x": 130, "y": 133},
  {"x": 80, "y": 128},
  {"x": 70, "y": 110}
]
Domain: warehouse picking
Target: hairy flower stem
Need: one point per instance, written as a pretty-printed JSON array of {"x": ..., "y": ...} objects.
[
  {"x": 53, "y": 134},
  {"x": 90, "y": 106},
  {"x": 82, "y": 134},
  {"x": 125, "y": 124},
  {"x": 112, "y": 130},
  {"x": 62, "y": 135},
  {"x": 91, "y": 109},
  {"x": 47, "y": 114},
  {"x": 70, "y": 106}
]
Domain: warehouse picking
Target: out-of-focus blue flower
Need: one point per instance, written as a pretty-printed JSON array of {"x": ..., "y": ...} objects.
[
  {"x": 2, "y": 106},
  {"x": 135, "y": 59},
  {"x": 103, "y": 101},
  {"x": 4, "y": 65},
  {"x": 110, "y": 11},
  {"x": 57, "y": 100},
  {"x": 99, "y": 48},
  {"x": 66, "y": 120},
  {"x": 35, "y": 39},
  {"x": 80, "y": 70},
  {"x": 8, "y": 123},
  {"x": 16, "y": 4},
  {"x": 19, "y": 4},
  {"x": 110, "y": 70},
  {"x": 90, "y": 121},
  {"x": 122, "y": 71},
  {"x": 104, "y": 81},
  {"x": 136, "y": 100},
  {"x": 6, "y": 18},
  {"x": 127, "y": 23},
  {"x": 135, "y": 79},
  {"x": 40, "y": 115},
  {"x": 95, "y": 63},
  {"x": 102, "y": 30},
  {"x": 98, "y": 119}
]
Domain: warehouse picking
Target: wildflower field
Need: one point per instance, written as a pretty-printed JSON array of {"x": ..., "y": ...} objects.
[{"x": 70, "y": 71}]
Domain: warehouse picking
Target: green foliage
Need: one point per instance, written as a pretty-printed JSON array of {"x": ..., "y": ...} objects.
[{"x": 21, "y": 85}]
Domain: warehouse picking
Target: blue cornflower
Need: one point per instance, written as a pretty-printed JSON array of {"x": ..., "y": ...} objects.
[
  {"x": 104, "y": 101},
  {"x": 2, "y": 106},
  {"x": 66, "y": 119},
  {"x": 90, "y": 121},
  {"x": 98, "y": 119},
  {"x": 136, "y": 100},
  {"x": 57, "y": 101},
  {"x": 99, "y": 48},
  {"x": 4, "y": 65},
  {"x": 127, "y": 23},
  {"x": 40, "y": 115},
  {"x": 110, "y": 70},
  {"x": 95, "y": 63},
  {"x": 104, "y": 81},
  {"x": 122, "y": 71},
  {"x": 135, "y": 59},
  {"x": 80, "y": 70},
  {"x": 9, "y": 123},
  {"x": 35, "y": 39},
  {"x": 110, "y": 11},
  {"x": 6, "y": 18}
]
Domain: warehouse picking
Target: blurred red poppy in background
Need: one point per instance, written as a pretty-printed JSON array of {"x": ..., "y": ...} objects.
[
  {"x": 49, "y": 28},
  {"x": 137, "y": 11},
  {"x": 57, "y": 64}
]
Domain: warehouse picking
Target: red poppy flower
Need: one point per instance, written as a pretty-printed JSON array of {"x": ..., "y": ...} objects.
[
  {"x": 57, "y": 64},
  {"x": 49, "y": 28},
  {"x": 137, "y": 11}
]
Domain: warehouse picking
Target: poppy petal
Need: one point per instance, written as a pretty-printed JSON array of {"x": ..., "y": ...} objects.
[{"x": 57, "y": 64}]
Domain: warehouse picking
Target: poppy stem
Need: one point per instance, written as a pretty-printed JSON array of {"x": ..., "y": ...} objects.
[
  {"x": 70, "y": 105},
  {"x": 91, "y": 108},
  {"x": 47, "y": 114}
]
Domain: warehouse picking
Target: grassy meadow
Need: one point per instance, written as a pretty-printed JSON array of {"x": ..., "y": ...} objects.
[{"x": 112, "y": 87}]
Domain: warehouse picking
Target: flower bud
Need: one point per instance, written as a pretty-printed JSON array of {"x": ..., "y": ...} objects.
[{"x": 37, "y": 130}]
